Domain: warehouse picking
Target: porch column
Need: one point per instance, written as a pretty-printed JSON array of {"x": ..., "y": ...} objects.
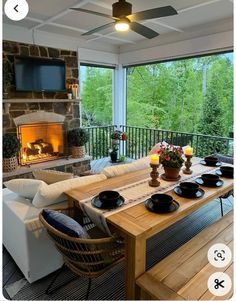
[{"x": 119, "y": 96}]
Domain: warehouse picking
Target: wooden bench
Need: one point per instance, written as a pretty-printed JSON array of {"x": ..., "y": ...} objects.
[{"x": 184, "y": 273}]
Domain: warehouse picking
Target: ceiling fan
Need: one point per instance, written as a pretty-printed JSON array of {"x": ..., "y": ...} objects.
[{"x": 125, "y": 20}]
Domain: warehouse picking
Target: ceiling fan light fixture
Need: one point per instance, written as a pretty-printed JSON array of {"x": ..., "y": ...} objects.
[{"x": 122, "y": 25}]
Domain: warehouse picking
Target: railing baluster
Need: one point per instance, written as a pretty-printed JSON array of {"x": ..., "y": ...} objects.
[{"x": 140, "y": 140}]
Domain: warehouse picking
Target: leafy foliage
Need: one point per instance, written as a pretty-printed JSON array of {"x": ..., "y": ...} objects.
[
  {"x": 170, "y": 156},
  {"x": 78, "y": 137},
  {"x": 10, "y": 145},
  {"x": 170, "y": 95}
]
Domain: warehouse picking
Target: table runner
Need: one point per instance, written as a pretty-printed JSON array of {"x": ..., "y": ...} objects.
[{"x": 136, "y": 193}]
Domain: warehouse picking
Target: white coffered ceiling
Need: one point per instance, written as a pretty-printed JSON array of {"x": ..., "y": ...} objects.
[{"x": 194, "y": 16}]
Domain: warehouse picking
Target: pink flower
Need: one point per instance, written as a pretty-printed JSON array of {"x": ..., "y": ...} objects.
[{"x": 167, "y": 158}]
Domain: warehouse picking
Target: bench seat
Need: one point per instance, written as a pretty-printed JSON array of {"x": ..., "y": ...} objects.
[{"x": 183, "y": 275}]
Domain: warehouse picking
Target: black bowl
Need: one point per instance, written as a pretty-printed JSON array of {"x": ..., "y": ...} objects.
[
  {"x": 210, "y": 178},
  {"x": 227, "y": 171},
  {"x": 161, "y": 200},
  {"x": 109, "y": 196},
  {"x": 189, "y": 188},
  {"x": 211, "y": 160}
]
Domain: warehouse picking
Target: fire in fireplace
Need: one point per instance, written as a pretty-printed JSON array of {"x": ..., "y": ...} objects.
[{"x": 41, "y": 142}]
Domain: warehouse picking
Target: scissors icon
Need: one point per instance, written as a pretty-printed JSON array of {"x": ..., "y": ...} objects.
[{"x": 218, "y": 283}]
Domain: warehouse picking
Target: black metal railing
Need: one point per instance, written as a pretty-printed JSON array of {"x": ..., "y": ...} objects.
[
  {"x": 99, "y": 141},
  {"x": 141, "y": 140}
]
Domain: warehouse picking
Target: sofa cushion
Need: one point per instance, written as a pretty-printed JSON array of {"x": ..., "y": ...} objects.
[
  {"x": 54, "y": 193},
  {"x": 225, "y": 158},
  {"x": 64, "y": 224},
  {"x": 118, "y": 170},
  {"x": 51, "y": 176},
  {"x": 24, "y": 187}
]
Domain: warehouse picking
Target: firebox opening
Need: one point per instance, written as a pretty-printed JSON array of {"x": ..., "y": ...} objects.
[{"x": 41, "y": 142}]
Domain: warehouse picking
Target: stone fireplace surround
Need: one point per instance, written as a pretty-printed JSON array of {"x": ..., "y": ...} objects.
[{"x": 21, "y": 104}]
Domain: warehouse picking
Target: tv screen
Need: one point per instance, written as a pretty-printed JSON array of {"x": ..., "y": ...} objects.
[{"x": 33, "y": 74}]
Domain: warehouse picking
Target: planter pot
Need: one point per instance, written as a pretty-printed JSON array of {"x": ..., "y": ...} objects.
[
  {"x": 171, "y": 173},
  {"x": 10, "y": 164},
  {"x": 78, "y": 151},
  {"x": 114, "y": 141},
  {"x": 113, "y": 157}
]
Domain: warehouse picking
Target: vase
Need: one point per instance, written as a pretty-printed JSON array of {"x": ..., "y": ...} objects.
[
  {"x": 171, "y": 173},
  {"x": 113, "y": 156}
]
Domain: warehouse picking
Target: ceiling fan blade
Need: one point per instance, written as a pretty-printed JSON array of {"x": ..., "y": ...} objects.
[
  {"x": 143, "y": 30},
  {"x": 98, "y": 29},
  {"x": 153, "y": 13},
  {"x": 94, "y": 13}
]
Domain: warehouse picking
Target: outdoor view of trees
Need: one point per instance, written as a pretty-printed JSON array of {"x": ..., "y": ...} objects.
[
  {"x": 190, "y": 95},
  {"x": 96, "y": 94}
]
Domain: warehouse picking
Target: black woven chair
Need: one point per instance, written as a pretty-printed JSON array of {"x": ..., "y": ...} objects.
[
  {"x": 230, "y": 160},
  {"x": 85, "y": 257}
]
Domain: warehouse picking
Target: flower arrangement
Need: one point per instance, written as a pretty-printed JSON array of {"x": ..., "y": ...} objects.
[
  {"x": 170, "y": 155},
  {"x": 118, "y": 135}
]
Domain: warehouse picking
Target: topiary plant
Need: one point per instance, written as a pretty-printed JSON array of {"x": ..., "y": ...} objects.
[
  {"x": 78, "y": 137},
  {"x": 10, "y": 145}
]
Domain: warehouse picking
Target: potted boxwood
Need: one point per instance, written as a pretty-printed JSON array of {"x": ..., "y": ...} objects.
[
  {"x": 77, "y": 139},
  {"x": 10, "y": 148}
]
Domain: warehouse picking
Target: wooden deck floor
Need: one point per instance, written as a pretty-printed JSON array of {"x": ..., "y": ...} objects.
[{"x": 98, "y": 165}]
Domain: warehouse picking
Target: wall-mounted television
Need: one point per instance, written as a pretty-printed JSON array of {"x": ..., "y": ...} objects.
[{"x": 36, "y": 74}]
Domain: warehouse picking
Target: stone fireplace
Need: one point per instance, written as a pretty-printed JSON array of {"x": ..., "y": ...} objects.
[
  {"x": 42, "y": 137},
  {"x": 41, "y": 120}
]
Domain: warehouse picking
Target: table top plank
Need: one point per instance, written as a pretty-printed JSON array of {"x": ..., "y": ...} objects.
[
  {"x": 137, "y": 220},
  {"x": 153, "y": 222}
]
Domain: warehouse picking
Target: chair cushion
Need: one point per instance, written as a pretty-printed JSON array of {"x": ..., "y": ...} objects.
[
  {"x": 54, "y": 193},
  {"x": 225, "y": 158},
  {"x": 51, "y": 176},
  {"x": 24, "y": 187},
  {"x": 64, "y": 224}
]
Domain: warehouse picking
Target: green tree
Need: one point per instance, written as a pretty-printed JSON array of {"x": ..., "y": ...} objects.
[{"x": 97, "y": 96}]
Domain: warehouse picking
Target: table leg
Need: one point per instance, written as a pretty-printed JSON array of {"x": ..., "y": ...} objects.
[{"x": 135, "y": 264}]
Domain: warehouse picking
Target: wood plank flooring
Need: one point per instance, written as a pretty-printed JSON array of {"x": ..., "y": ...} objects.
[{"x": 98, "y": 165}]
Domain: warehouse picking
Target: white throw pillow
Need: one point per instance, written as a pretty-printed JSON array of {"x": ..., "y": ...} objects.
[
  {"x": 51, "y": 176},
  {"x": 118, "y": 170},
  {"x": 54, "y": 193},
  {"x": 24, "y": 187}
]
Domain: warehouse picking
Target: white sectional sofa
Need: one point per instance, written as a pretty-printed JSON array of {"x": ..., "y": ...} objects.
[{"x": 23, "y": 235}]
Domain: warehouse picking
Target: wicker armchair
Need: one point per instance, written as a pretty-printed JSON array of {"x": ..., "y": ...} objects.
[{"x": 85, "y": 257}]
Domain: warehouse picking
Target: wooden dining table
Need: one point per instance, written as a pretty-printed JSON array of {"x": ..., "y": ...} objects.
[{"x": 136, "y": 224}]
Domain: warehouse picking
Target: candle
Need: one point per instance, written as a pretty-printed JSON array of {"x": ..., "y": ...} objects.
[
  {"x": 154, "y": 159},
  {"x": 188, "y": 151}
]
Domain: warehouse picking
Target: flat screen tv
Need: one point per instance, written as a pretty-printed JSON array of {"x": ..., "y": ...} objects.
[{"x": 34, "y": 74}]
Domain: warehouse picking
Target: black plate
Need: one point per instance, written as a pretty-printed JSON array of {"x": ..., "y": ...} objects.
[
  {"x": 219, "y": 173},
  {"x": 203, "y": 162},
  {"x": 200, "y": 182},
  {"x": 197, "y": 195},
  {"x": 149, "y": 205},
  {"x": 98, "y": 204}
]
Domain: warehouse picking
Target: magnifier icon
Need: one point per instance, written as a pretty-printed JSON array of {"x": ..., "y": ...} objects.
[{"x": 219, "y": 255}]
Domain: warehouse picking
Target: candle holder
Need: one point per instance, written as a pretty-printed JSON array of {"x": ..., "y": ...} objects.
[
  {"x": 154, "y": 175},
  {"x": 188, "y": 164}
]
